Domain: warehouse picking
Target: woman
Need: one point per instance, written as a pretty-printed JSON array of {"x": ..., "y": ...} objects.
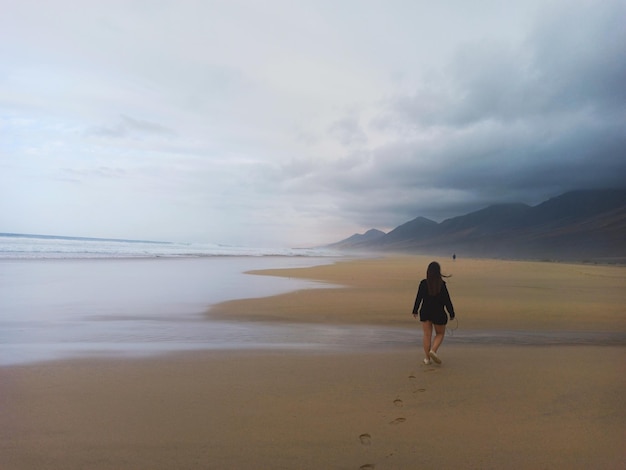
[{"x": 433, "y": 296}]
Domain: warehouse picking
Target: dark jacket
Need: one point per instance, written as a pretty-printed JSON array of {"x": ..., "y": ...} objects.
[{"x": 433, "y": 305}]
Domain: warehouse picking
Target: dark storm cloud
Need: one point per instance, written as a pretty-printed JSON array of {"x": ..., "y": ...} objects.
[
  {"x": 503, "y": 123},
  {"x": 572, "y": 61}
]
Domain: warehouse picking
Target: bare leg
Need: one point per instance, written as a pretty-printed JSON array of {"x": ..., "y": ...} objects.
[
  {"x": 427, "y": 326},
  {"x": 440, "y": 331}
]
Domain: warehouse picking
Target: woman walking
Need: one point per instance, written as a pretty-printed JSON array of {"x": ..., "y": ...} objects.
[{"x": 433, "y": 296}]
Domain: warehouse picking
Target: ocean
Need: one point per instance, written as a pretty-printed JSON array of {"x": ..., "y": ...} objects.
[
  {"x": 65, "y": 297},
  {"x": 24, "y": 246}
]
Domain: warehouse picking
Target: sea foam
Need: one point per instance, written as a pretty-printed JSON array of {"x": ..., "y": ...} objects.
[{"x": 24, "y": 246}]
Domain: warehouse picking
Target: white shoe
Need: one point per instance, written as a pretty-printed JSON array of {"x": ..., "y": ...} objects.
[
  {"x": 427, "y": 362},
  {"x": 434, "y": 357}
]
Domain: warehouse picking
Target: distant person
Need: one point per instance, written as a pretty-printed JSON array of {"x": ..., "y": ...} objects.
[
  {"x": 433, "y": 296},
  {"x": 454, "y": 257}
]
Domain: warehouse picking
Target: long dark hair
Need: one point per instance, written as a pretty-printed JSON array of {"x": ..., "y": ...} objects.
[{"x": 434, "y": 278}]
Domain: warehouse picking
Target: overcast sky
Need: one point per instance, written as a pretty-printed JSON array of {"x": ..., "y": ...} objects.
[{"x": 297, "y": 123}]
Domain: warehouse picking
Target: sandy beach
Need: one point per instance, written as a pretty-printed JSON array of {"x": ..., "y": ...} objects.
[{"x": 487, "y": 405}]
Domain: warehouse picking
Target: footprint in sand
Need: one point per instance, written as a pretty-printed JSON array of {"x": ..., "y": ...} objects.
[
  {"x": 367, "y": 466},
  {"x": 411, "y": 376},
  {"x": 398, "y": 402},
  {"x": 398, "y": 421},
  {"x": 421, "y": 389},
  {"x": 365, "y": 439}
]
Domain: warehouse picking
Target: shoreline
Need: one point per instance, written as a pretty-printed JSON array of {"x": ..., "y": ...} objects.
[
  {"x": 487, "y": 295},
  {"x": 52, "y": 308},
  {"x": 513, "y": 406}
]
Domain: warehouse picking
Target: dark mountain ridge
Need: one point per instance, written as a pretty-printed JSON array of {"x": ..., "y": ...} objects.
[
  {"x": 578, "y": 225},
  {"x": 362, "y": 238}
]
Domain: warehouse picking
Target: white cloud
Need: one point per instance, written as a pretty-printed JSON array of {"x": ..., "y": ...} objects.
[{"x": 297, "y": 123}]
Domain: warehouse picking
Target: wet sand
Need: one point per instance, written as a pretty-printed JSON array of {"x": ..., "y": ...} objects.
[
  {"x": 487, "y": 295},
  {"x": 486, "y": 406}
]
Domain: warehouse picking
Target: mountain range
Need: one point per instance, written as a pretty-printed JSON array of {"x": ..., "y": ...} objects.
[{"x": 583, "y": 225}]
